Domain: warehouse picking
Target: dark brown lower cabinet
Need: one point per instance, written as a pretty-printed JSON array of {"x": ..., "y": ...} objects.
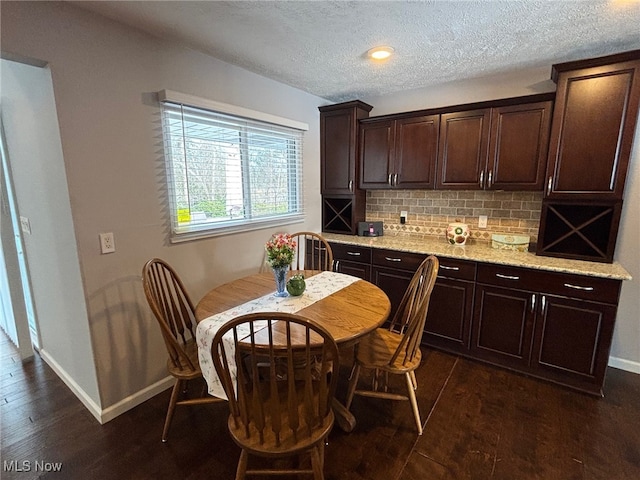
[
  {"x": 554, "y": 326},
  {"x": 448, "y": 323},
  {"x": 392, "y": 271},
  {"x": 572, "y": 341},
  {"x": 503, "y": 325},
  {"x": 550, "y": 325},
  {"x": 352, "y": 260}
]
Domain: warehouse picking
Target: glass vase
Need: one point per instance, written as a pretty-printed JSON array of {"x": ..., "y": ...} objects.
[{"x": 280, "y": 274}]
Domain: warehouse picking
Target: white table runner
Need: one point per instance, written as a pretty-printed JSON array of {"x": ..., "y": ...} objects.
[{"x": 318, "y": 287}]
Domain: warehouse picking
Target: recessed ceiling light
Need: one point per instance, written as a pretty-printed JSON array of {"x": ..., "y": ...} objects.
[{"x": 380, "y": 53}]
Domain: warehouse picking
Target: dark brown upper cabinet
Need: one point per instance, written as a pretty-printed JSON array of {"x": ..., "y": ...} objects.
[
  {"x": 343, "y": 202},
  {"x": 498, "y": 148},
  {"x": 462, "y": 156},
  {"x": 399, "y": 153},
  {"x": 338, "y": 146},
  {"x": 592, "y": 132},
  {"x": 593, "y": 127},
  {"x": 518, "y": 146}
]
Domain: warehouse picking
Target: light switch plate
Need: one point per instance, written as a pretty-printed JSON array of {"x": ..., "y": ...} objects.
[{"x": 25, "y": 225}]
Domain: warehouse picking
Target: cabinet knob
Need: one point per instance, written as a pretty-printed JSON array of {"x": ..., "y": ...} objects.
[
  {"x": 549, "y": 185},
  {"x": 351, "y": 186},
  {"x": 482, "y": 179},
  {"x": 354, "y": 254},
  {"x": 389, "y": 180},
  {"x": 389, "y": 259},
  {"x": 489, "y": 178},
  {"x": 395, "y": 179}
]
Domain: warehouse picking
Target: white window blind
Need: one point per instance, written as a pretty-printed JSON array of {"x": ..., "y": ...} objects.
[{"x": 227, "y": 172}]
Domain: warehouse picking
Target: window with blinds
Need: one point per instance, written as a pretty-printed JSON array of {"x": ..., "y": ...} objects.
[{"x": 228, "y": 172}]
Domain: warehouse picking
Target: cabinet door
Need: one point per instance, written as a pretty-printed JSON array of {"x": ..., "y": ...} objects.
[
  {"x": 337, "y": 151},
  {"x": 392, "y": 282},
  {"x": 376, "y": 153},
  {"x": 462, "y": 153},
  {"x": 502, "y": 325},
  {"x": 360, "y": 270},
  {"x": 449, "y": 316},
  {"x": 572, "y": 341},
  {"x": 518, "y": 146},
  {"x": 592, "y": 131},
  {"x": 416, "y": 151},
  {"x": 352, "y": 260}
]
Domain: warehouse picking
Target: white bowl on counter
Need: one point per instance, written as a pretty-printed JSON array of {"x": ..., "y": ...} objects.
[{"x": 508, "y": 241}]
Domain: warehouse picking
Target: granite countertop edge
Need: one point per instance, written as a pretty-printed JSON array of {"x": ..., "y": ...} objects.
[{"x": 483, "y": 252}]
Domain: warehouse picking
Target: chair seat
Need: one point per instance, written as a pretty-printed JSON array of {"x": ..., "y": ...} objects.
[
  {"x": 289, "y": 444},
  {"x": 376, "y": 350},
  {"x": 185, "y": 371}
]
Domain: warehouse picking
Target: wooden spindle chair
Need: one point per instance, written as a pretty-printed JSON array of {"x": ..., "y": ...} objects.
[
  {"x": 174, "y": 311},
  {"x": 313, "y": 252},
  {"x": 279, "y": 372},
  {"x": 396, "y": 350}
]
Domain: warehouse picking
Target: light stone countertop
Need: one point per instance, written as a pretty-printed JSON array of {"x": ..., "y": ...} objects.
[{"x": 483, "y": 252}]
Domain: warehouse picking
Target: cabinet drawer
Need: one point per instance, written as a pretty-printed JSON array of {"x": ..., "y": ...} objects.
[
  {"x": 452, "y": 268},
  {"x": 396, "y": 259},
  {"x": 575, "y": 286},
  {"x": 351, "y": 253}
]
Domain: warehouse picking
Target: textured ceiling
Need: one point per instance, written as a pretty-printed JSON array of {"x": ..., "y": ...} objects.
[{"x": 320, "y": 46}]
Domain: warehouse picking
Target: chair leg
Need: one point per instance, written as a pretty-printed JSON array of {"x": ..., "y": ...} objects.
[
  {"x": 243, "y": 462},
  {"x": 316, "y": 464},
  {"x": 321, "y": 448},
  {"x": 413, "y": 379},
  {"x": 414, "y": 402},
  {"x": 172, "y": 406},
  {"x": 353, "y": 383}
]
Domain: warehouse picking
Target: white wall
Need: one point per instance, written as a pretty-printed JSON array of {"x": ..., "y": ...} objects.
[
  {"x": 37, "y": 168},
  {"x": 625, "y": 350},
  {"x": 104, "y": 79}
]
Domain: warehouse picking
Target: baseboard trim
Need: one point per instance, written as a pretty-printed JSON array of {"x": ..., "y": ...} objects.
[
  {"x": 86, "y": 400},
  {"x": 109, "y": 413},
  {"x": 622, "y": 364},
  {"x": 136, "y": 399}
]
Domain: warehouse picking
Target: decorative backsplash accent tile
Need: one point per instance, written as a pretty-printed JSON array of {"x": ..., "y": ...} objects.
[{"x": 429, "y": 212}]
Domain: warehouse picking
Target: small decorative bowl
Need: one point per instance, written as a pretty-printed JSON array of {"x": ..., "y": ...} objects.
[{"x": 296, "y": 285}]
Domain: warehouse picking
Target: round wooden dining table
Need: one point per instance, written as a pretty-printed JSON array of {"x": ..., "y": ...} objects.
[{"x": 348, "y": 314}]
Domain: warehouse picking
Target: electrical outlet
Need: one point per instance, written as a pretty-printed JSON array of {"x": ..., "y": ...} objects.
[
  {"x": 107, "y": 244},
  {"x": 403, "y": 217},
  {"x": 482, "y": 221}
]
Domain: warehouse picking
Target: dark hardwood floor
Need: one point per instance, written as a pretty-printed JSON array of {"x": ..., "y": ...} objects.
[{"x": 481, "y": 423}]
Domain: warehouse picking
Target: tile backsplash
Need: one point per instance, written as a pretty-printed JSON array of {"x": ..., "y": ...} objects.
[{"x": 429, "y": 212}]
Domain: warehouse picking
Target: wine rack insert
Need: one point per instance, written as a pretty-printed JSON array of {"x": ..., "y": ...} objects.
[{"x": 582, "y": 231}]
